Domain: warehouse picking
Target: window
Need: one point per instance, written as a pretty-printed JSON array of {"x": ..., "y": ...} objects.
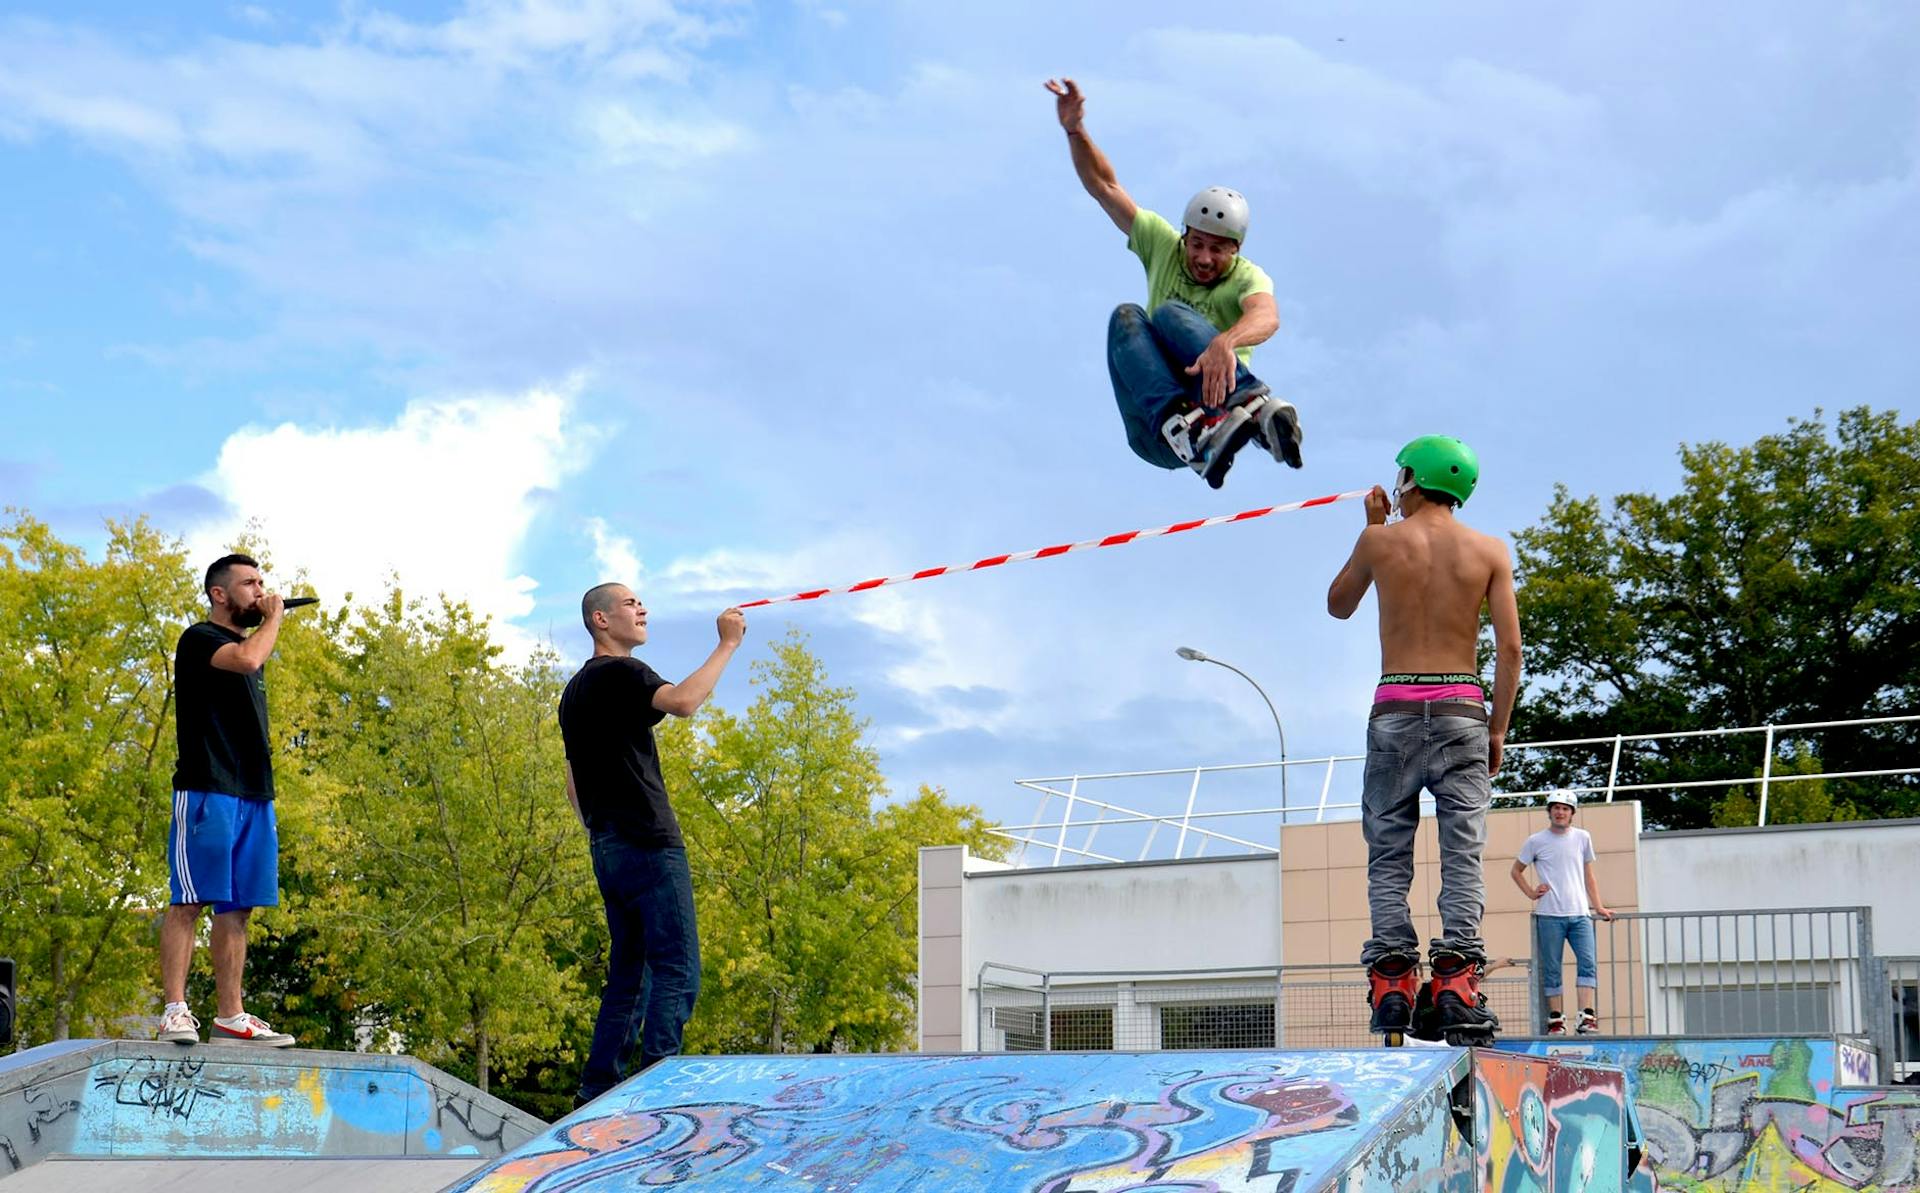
[
  {"x": 1738, "y": 1010},
  {"x": 1083, "y": 1029},
  {"x": 1217, "y": 1025},
  {"x": 1074, "y": 1029}
]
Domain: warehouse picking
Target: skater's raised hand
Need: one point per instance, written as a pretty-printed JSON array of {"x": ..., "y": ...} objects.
[
  {"x": 733, "y": 627},
  {"x": 1378, "y": 506},
  {"x": 1215, "y": 368},
  {"x": 1069, "y": 105}
]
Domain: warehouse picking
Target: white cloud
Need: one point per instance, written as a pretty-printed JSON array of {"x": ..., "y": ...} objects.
[
  {"x": 627, "y": 136},
  {"x": 512, "y": 32},
  {"x": 614, "y": 553},
  {"x": 443, "y": 498}
]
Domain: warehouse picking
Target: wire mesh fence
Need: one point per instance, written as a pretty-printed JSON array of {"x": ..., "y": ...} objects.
[{"x": 1325, "y": 1006}]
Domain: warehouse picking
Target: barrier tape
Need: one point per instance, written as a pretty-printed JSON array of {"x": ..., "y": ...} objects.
[{"x": 1112, "y": 540}]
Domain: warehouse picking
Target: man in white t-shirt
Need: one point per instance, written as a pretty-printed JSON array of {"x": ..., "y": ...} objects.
[{"x": 1565, "y": 900}]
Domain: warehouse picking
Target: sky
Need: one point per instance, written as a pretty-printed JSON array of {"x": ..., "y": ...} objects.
[{"x": 510, "y": 297}]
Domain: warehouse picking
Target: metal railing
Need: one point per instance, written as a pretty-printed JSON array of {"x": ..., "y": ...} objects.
[
  {"x": 1784, "y": 971},
  {"x": 1289, "y": 1006},
  {"x": 1900, "y": 977},
  {"x": 1066, "y": 838}
]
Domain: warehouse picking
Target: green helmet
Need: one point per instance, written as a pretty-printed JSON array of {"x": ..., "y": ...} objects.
[{"x": 1441, "y": 463}]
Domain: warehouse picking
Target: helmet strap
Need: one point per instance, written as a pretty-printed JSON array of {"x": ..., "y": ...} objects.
[{"x": 1401, "y": 486}]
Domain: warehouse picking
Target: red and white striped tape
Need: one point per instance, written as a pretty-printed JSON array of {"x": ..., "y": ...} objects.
[{"x": 1112, "y": 540}]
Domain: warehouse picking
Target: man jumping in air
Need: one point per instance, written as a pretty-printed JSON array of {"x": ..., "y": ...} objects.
[
  {"x": 1430, "y": 729},
  {"x": 1179, "y": 364}
]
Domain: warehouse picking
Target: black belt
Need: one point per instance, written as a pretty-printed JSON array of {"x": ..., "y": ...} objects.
[{"x": 1431, "y": 708}]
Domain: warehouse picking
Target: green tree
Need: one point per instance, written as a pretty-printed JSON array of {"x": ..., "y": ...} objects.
[
  {"x": 455, "y": 878},
  {"x": 1781, "y": 584},
  {"x": 86, "y": 762},
  {"x": 805, "y": 874}
]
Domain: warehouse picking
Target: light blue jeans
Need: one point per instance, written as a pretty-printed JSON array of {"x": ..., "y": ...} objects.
[{"x": 1551, "y": 935}]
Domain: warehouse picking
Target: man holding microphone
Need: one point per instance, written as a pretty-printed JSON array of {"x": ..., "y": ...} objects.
[{"x": 223, "y": 850}]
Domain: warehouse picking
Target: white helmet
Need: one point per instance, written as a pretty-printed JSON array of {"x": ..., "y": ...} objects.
[
  {"x": 1563, "y": 796},
  {"x": 1220, "y": 211}
]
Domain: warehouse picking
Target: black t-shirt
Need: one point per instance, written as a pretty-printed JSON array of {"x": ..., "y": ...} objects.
[
  {"x": 606, "y": 720},
  {"x": 220, "y": 722}
]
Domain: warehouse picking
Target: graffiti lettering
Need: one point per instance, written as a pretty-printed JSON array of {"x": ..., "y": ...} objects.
[
  {"x": 711, "y": 1072},
  {"x": 173, "y": 1087},
  {"x": 1699, "y": 1071},
  {"x": 1856, "y": 1065}
]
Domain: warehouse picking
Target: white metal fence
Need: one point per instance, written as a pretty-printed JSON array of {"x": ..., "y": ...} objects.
[
  {"x": 1159, "y": 819},
  {"x": 1785, "y": 971}
]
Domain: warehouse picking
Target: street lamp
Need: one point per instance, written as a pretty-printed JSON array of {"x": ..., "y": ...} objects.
[{"x": 1194, "y": 656}]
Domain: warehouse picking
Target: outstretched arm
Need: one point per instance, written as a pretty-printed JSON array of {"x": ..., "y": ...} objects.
[
  {"x": 683, "y": 699},
  {"x": 1345, "y": 593},
  {"x": 1095, "y": 171}
]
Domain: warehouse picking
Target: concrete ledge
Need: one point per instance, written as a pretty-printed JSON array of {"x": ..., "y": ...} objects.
[{"x": 125, "y": 1098}]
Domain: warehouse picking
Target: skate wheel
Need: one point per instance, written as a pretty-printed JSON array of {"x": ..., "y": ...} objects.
[{"x": 1393, "y": 1039}]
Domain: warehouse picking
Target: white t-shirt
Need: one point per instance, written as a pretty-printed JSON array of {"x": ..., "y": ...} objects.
[{"x": 1560, "y": 860}]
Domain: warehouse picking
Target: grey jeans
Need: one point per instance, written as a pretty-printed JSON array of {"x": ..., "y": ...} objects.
[{"x": 1447, "y": 756}]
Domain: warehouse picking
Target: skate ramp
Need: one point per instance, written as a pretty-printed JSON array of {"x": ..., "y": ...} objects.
[
  {"x": 1550, "y": 1126},
  {"x": 1759, "y": 1113},
  {"x": 68, "y": 1174},
  {"x": 119, "y": 1100},
  {"x": 1275, "y": 1122}
]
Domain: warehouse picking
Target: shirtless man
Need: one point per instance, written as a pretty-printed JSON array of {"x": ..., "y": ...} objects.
[{"x": 1430, "y": 729}]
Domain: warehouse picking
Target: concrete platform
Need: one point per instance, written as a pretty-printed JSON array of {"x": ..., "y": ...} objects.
[
  {"x": 1378, "y": 1120},
  {"x": 138, "y": 1099}
]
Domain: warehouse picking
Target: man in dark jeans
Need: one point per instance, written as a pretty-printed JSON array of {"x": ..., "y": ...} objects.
[
  {"x": 1430, "y": 728},
  {"x": 607, "y": 715}
]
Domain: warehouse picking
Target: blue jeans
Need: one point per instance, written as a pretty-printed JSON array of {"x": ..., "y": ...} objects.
[
  {"x": 1448, "y": 757},
  {"x": 1147, "y": 356},
  {"x": 1551, "y": 935},
  {"x": 653, "y": 970}
]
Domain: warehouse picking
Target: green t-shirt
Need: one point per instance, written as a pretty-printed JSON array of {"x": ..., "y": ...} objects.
[{"x": 1157, "y": 244}]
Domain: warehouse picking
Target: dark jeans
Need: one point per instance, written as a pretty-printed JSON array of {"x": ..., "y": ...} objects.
[
  {"x": 653, "y": 972},
  {"x": 1447, "y": 756},
  {"x": 1147, "y": 356}
]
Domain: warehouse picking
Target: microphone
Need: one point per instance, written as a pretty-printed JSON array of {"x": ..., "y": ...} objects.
[{"x": 299, "y": 602}]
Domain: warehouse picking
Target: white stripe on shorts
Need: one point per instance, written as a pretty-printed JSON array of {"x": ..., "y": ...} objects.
[{"x": 180, "y": 847}]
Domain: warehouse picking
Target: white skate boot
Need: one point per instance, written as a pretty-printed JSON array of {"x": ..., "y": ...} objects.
[
  {"x": 1206, "y": 440},
  {"x": 1277, "y": 425}
]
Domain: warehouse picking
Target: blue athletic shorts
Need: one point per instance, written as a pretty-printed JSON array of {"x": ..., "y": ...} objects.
[{"x": 223, "y": 850}]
